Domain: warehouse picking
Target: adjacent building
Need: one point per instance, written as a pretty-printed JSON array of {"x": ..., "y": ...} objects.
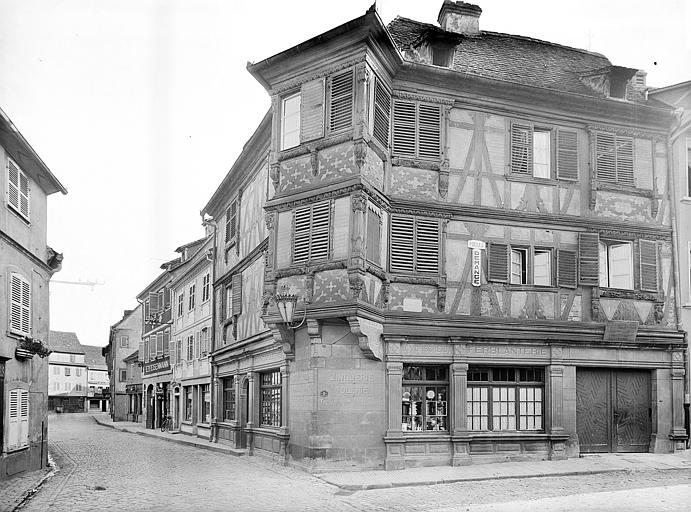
[
  {"x": 97, "y": 380},
  {"x": 26, "y": 265},
  {"x": 123, "y": 341},
  {"x": 67, "y": 373},
  {"x": 133, "y": 387},
  {"x": 472, "y": 233}
]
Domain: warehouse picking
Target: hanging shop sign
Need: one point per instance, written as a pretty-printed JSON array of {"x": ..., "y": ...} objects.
[{"x": 477, "y": 246}]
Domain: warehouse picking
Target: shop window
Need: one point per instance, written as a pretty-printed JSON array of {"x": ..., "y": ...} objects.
[
  {"x": 505, "y": 398},
  {"x": 205, "y": 403},
  {"x": 188, "y": 403},
  {"x": 424, "y": 403},
  {"x": 229, "y": 398},
  {"x": 270, "y": 407}
]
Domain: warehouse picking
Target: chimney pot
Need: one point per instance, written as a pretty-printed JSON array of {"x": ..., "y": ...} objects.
[{"x": 460, "y": 17}]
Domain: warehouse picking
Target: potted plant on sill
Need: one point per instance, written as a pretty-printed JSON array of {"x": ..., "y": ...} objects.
[{"x": 28, "y": 347}]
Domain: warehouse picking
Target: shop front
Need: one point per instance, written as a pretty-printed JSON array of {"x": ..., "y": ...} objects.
[
  {"x": 156, "y": 379},
  {"x": 134, "y": 402}
]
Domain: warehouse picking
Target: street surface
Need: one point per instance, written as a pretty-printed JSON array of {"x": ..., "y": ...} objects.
[{"x": 104, "y": 469}]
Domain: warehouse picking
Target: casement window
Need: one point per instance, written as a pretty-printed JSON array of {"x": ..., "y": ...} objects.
[
  {"x": 124, "y": 341},
  {"x": 270, "y": 399},
  {"x": 231, "y": 222},
  {"x": 181, "y": 303},
  {"x": 229, "y": 399},
  {"x": 381, "y": 112},
  {"x": 159, "y": 344},
  {"x": 190, "y": 347},
  {"x": 531, "y": 266},
  {"x": 417, "y": 130},
  {"x": 67, "y": 371},
  {"x": 17, "y": 189},
  {"x": 178, "y": 351},
  {"x": 373, "y": 252},
  {"x": 20, "y": 305},
  {"x": 229, "y": 302},
  {"x": 290, "y": 121},
  {"x": 311, "y": 232},
  {"x": 424, "y": 404},
  {"x": 532, "y": 150},
  {"x": 205, "y": 342},
  {"x": 415, "y": 243},
  {"x": 78, "y": 372},
  {"x": 18, "y": 426},
  {"x": 166, "y": 342},
  {"x": 188, "y": 403},
  {"x": 505, "y": 398},
  {"x": 616, "y": 264},
  {"x": 614, "y": 158},
  {"x": 205, "y": 287},
  {"x": 192, "y": 297},
  {"x": 527, "y": 265},
  {"x": 205, "y": 403},
  {"x": 197, "y": 344}
]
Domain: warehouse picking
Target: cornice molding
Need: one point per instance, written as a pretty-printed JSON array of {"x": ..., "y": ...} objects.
[
  {"x": 627, "y": 130},
  {"x": 427, "y": 98},
  {"x": 335, "y": 193},
  {"x": 420, "y": 211},
  {"x": 310, "y": 268},
  {"x": 26, "y": 253},
  {"x": 297, "y": 82}
]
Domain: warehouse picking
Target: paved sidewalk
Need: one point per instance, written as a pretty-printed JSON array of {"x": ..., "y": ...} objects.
[
  {"x": 16, "y": 489},
  {"x": 173, "y": 437},
  {"x": 587, "y": 465}
]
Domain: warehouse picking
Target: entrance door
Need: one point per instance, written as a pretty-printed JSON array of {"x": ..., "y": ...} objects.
[
  {"x": 150, "y": 407},
  {"x": 244, "y": 413},
  {"x": 613, "y": 410}
]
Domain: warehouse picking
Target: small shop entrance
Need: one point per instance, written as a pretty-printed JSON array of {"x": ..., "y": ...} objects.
[{"x": 613, "y": 411}]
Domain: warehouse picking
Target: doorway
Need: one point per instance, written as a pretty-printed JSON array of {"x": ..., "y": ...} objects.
[
  {"x": 613, "y": 412},
  {"x": 244, "y": 413},
  {"x": 150, "y": 406}
]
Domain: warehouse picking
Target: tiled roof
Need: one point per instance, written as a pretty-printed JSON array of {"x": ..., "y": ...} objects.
[
  {"x": 60, "y": 341},
  {"x": 510, "y": 58},
  {"x": 93, "y": 357}
]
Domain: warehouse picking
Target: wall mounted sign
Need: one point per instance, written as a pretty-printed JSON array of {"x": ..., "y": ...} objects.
[
  {"x": 159, "y": 365},
  {"x": 477, "y": 246}
]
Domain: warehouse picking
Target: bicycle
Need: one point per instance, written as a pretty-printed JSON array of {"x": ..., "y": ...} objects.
[{"x": 167, "y": 424}]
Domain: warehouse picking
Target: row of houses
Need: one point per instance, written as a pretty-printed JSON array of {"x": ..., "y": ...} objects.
[{"x": 441, "y": 245}]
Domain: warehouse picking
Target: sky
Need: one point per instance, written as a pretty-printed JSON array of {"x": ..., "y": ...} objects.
[{"x": 140, "y": 107}]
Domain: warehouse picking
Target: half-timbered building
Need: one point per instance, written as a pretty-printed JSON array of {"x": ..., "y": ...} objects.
[{"x": 477, "y": 229}]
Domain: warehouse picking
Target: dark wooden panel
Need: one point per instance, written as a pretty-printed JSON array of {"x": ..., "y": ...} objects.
[
  {"x": 632, "y": 425},
  {"x": 593, "y": 410}
]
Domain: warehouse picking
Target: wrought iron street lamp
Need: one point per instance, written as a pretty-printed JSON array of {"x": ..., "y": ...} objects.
[{"x": 286, "y": 303}]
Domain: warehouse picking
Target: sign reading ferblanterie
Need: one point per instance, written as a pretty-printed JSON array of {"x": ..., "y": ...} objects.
[{"x": 159, "y": 365}]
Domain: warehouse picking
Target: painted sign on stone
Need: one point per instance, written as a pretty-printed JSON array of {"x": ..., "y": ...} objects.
[{"x": 476, "y": 246}]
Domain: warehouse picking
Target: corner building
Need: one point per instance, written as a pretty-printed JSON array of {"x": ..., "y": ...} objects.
[{"x": 477, "y": 226}]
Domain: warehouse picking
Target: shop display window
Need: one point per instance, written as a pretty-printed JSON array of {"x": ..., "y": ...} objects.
[{"x": 424, "y": 403}]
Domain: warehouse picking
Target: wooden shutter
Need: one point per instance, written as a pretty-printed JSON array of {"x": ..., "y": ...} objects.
[
  {"x": 312, "y": 110},
  {"x": 566, "y": 269},
  {"x": 429, "y": 131},
  {"x": 153, "y": 302},
  {"x": 18, "y": 189},
  {"x": 233, "y": 219},
  {"x": 427, "y": 245},
  {"x": 237, "y": 294},
  {"x": 166, "y": 342},
  {"x": 605, "y": 157},
  {"x": 589, "y": 259},
  {"x": 341, "y": 101},
  {"x": 648, "y": 265},
  {"x": 23, "y": 418},
  {"x": 382, "y": 113},
  {"x": 567, "y": 155},
  {"x": 20, "y": 304},
  {"x": 173, "y": 359},
  {"x": 166, "y": 298},
  {"x": 142, "y": 354},
  {"x": 373, "y": 235},
  {"x": 13, "y": 425},
  {"x": 625, "y": 160},
  {"x": 311, "y": 227},
  {"x": 498, "y": 262},
  {"x": 227, "y": 230},
  {"x": 521, "y": 149},
  {"x": 159, "y": 343},
  {"x": 402, "y": 244},
  {"x": 404, "y": 128},
  {"x": 301, "y": 234},
  {"x": 23, "y": 195}
]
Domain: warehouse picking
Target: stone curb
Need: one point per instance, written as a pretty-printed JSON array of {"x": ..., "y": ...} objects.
[
  {"x": 37, "y": 487},
  {"x": 185, "y": 442}
]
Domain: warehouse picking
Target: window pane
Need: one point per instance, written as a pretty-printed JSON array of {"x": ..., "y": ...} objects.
[
  {"x": 621, "y": 266},
  {"x": 517, "y": 266},
  {"x": 542, "y": 271},
  {"x": 604, "y": 271},
  {"x": 541, "y": 154},
  {"x": 290, "y": 128}
]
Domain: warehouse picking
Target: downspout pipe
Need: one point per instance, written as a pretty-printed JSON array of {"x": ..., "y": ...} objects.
[{"x": 209, "y": 221}]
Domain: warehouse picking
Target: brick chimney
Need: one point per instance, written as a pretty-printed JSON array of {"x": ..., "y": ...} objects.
[{"x": 460, "y": 17}]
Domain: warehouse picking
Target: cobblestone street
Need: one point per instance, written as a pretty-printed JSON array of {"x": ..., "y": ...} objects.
[{"x": 102, "y": 468}]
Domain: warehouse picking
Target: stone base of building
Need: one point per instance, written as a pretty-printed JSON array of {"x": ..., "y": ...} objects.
[{"x": 32, "y": 458}]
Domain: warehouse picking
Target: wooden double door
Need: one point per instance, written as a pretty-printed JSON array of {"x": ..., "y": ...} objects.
[{"x": 613, "y": 412}]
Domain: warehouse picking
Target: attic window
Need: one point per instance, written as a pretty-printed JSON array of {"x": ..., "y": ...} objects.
[
  {"x": 442, "y": 56},
  {"x": 617, "y": 88}
]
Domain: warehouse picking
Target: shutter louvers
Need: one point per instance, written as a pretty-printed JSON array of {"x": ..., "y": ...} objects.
[
  {"x": 567, "y": 155},
  {"x": 404, "y": 128},
  {"x": 648, "y": 265},
  {"x": 312, "y": 110},
  {"x": 13, "y": 182},
  {"x": 589, "y": 259},
  {"x": 427, "y": 246},
  {"x": 153, "y": 303},
  {"x": 429, "y": 135},
  {"x": 26, "y": 307},
  {"x": 402, "y": 243},
  {"x": 566, "y": 269},
  {"x": 233, "y": 219},
  {"x": 166, "y": 342},
  {"x": 23, "y": 418},
  {"x": 521, "y": 149},
  {"x": 227, "y": 230},
  {"x": 237, "y": 294},
  {"x": 382, "y": 113},
  {"x": 142, "y": 354},
  {"x": 373, "y": 236},
  {"x": 605, "y": 157},
  {"x": 171, "y": 350},
  {"x": 13, "y": 427},
  {"x": 301, "y": 234},
  {"x": 16, "y": 304},
  {"x": 341, "y": 95},
  {"x": 498, "y": 263},
  {"x": 625, "y": 161},
  {"x": 319, "y": 246},
  {"x": 23, "y": 195}
]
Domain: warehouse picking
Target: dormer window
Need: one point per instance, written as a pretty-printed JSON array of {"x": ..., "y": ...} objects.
[{"x": 442, "y": 56}]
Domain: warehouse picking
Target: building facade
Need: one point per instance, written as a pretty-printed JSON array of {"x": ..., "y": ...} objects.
[
  {"x": 133, "y": 388},
  {"x": 67, "y": 374},
  {"x": 477, "y": 230},
  {"x": 26, "y": 266},
  {"x": 191, "y": 340},
  {"x": 124, "y": 339},
  {"x": 97, "y": 380}
]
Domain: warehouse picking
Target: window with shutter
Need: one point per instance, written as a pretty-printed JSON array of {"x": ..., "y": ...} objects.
[
  {"x": 416, "y": 130},
  {"x": 237, "y": 294},
  {"x": 312, "y": 110},
  {"x": 648, "y": 265},
  {"x": 566, "y": 268},
  {"x": 231, "y": 222},
  {"x": 616, "y": 264},
  {"x": 382, "y": 113},
  {"x": 521, "y": 149},
  {"x": 497, "y": 262},
  {"x": 414, "y": 245},
  {"x": 18, "y": 189},
  {"x": 166, "y": 342},
  {"x": 373, "y": 235},
  {"x": 614, "y": 158},
  {"x": 567, "y": 155},
  {"x": 20, "y": 305},
  {"x": 290, "y": 121},
  {"x": 311, "y": 229},
  {"x": 18, "y": 428},
  {"x": 588, "y": 259},
  {"x": 341, "y": 101}
]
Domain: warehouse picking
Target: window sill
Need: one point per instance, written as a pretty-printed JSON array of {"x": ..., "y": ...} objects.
[
  {"x": 624, "y": 293},
  {"x": 19, "y": 215},
  {"x": 526, "y": 178},
  {"x": 626, "y": 189},
  {"x": 686, "y": 199},
  {"x": 416, "y": 163},
  {"x": 532, "y": 288},
  {"x": 686, "y": 306}
]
